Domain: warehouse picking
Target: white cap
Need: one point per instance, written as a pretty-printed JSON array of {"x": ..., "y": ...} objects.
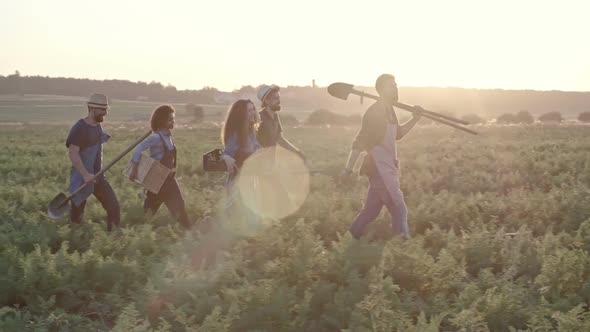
[{"x": 264, "y": 90}]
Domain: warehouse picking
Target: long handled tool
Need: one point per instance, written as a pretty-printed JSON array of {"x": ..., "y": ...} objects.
[
  {"x": 58, "y": 205},
  {"x": 342, "y": 90}
]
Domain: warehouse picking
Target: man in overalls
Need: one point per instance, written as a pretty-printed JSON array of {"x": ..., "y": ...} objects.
[
  {"x": 379, "y": 131},
  {"x": 84, "y": 145}
]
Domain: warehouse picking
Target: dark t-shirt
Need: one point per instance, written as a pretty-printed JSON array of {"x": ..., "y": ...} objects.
[
  {"x": 85, "y": 135},
  {"x": 372, "y": 132},
  {"x": 270, "y": 129},
  {"x": 373, "y": 126}
]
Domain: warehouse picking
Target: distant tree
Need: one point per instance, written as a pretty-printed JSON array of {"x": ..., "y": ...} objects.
[
  {"x": 473, "y": 118},
  {"x": 506, "y": 118},
  {"x": 247, "y": 89},
  {"x": 116, "y": 89},
  {"x": 584, "y": 117},
  {"x": 195, "y": 111},
  {"x": 210, "y": 89},
  {"x": 551, "y": 117},
  {"x": 14, "y": 83},
  {"x": 524, "y": 117}
]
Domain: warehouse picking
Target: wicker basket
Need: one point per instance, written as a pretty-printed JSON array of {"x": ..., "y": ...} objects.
[{"x": 150, "y": 173}]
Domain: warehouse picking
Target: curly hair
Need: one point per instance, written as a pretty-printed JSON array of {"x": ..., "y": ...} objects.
[{"x": 159, "y": 119}]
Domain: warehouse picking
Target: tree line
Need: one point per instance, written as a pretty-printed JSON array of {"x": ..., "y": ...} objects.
[{"x": 488, "y": 103}]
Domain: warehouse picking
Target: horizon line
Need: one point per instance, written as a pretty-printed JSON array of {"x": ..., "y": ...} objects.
[{"x": 291, "y": 86}]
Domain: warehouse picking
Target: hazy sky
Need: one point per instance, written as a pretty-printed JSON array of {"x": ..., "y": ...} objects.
[{"x": 542, "y": 45}]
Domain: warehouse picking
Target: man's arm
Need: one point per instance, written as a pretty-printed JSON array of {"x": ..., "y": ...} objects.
[
  {"x": 353, "y": 156},
  {"x": 361, "y": 141},
  {"x": 282, "y": 141},
  {"x": 405, "y": 128},
  {"x": 230, "y": 150},
  {"x": 74, "y": 155}
]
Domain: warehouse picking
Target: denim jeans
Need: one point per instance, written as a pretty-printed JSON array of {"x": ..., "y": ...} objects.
[
  {"x": 106, "y": 196},
  {"x": 377, "y": 197},
  {"x": 171, "y": 196}
]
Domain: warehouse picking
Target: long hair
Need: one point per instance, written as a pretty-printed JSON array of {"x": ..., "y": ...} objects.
[
  {"x": 236, "y": 121},
  {"x": 159, "y": 119}
]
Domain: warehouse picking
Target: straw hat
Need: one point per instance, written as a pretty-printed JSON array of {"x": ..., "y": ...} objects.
[{"x": 98, "y": 100}]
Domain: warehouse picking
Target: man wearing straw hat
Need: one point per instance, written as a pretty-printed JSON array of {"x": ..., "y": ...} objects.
[
  {"x": 84, "y": 145},
  {"x": 379, "y": 131},
  {"x": 269, "y": 135}
]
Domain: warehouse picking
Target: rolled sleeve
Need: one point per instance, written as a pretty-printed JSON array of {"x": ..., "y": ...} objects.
[
  {"x": 144, "y": 145},
  {"x": 231, "y": 146},
  {"x": 76, "y": 136}
]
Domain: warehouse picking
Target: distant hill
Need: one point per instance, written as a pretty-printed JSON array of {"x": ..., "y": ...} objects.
[
  {"x": 457, "y": 101},
  {"x": 118, "y": 89}
]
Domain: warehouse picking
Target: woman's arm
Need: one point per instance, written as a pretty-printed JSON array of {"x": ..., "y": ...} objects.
[
  {"x": 152, "y": 140},
  {"x": 146, "y": 144},
  {"x": 230, "y": 150}
]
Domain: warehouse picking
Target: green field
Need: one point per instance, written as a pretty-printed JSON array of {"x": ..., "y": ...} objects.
[{"x": 500, "y": 225}]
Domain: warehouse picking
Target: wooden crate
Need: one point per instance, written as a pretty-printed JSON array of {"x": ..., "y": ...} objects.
[
  {"x": 150, "y": 173},
  {"x": 213, "y": 162}
]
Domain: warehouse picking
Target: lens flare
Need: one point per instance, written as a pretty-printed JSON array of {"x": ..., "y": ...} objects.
[{"x": 273, "y": 183}]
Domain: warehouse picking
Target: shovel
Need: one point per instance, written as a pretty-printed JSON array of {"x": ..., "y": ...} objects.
[
  {"x": 342, "y": 90},
  {"x": 58, "y": 205}
]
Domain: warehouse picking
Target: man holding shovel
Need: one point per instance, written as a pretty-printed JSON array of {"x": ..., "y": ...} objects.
[
  {"x": 84, "y": 145},
  {"x": 379, "y": 131}
]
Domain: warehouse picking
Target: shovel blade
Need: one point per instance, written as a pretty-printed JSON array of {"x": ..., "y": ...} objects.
[
  {"x": 340, "y": 90},
  {"x": 58, "y": 206}
]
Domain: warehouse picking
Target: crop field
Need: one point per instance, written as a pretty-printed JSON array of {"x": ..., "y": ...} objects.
[{"x": 500, "y": 227}]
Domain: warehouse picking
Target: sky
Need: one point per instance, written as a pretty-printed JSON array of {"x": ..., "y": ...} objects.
[{"x": 539, "y": 45}]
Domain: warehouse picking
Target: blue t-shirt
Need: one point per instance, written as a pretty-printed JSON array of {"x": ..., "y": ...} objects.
[{"x": 85, "y": 135}]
